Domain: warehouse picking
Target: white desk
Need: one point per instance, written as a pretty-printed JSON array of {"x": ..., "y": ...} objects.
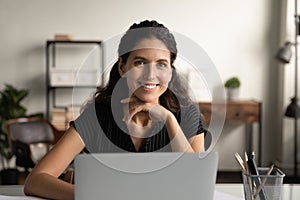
[
  {"x": 290, "y": 191},
  {"x": 11, "y": 190}
]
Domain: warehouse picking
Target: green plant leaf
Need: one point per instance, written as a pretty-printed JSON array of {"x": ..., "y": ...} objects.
[
  {"x": 10, "y": 107},
  {"x": 233, "y": 82}
]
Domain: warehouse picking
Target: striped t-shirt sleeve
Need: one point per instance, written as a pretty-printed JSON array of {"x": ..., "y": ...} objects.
[{"x": 190, "y": 121}]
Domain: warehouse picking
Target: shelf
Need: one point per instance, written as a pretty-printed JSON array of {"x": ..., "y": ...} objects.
[
  {"x": 73, "y": 42},
  {"x": 72, "y": 86},
  {"x": 64, "y": 79}
]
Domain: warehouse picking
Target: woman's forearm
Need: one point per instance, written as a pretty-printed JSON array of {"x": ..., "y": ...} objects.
[
  {"x": 47, "y": 186},
  {"x": 179, "y": 143},
  {"x": 43, "y": 181}
]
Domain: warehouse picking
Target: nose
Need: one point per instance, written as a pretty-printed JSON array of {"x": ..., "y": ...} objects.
[{"x": 150, "y": 72}]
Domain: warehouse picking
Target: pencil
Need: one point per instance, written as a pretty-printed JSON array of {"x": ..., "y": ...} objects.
[
  {"x": 240, "y": 161},
  {"x": 263, "y": 181},
  {"x": 245, "y": 161}
]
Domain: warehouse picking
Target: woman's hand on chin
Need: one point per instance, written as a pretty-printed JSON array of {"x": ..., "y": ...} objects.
[{"x": 133, "y": 106}]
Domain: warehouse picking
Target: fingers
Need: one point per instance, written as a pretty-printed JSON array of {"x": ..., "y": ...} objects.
[
  {"x": 127, "y": 100},
  {"x": 131, "y": 99},
  {"x": 133, "y": 105},
  {"x": 134, "y": 109}
]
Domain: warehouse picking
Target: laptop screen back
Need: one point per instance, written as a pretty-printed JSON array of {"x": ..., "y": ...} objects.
[{"x": 145, "y": 176}]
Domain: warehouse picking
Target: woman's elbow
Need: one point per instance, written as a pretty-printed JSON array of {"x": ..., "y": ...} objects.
[{"x": 29, "y": 185}]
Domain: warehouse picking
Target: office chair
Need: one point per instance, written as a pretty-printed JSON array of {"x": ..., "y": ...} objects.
[{"x": 29, "y": 134}]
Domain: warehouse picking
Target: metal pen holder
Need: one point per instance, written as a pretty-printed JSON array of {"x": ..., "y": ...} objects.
[{"x": 270, "y": 187}]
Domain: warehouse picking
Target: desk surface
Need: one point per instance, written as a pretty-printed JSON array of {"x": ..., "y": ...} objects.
[
  {"x": 289, "y": 191},
  {"x": 223, "y": 191}
]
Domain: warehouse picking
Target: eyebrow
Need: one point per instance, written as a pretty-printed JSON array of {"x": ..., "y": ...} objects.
[
  {"x": 139, "y": 57},
  {"x": 142, "y": 58}
]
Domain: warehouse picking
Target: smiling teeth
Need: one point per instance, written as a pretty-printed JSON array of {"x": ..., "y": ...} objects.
[{"x": 149, "y": 86}]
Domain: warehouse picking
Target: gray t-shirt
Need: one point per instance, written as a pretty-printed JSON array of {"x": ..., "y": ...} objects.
[{"x": 104, "y": 131}]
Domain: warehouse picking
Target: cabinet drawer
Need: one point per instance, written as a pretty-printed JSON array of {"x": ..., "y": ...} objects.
[
  {"x": 242, "y": 113},
  {"x": 237, "y": 112}
]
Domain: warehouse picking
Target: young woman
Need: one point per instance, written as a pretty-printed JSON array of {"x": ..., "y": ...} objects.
[{"x": 143, "y": 108}]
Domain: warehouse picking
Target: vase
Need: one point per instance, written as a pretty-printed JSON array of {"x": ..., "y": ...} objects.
[{"x": 233, "y": 94}]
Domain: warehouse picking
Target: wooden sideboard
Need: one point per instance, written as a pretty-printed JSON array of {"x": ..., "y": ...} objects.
[{"x": 237, "y": 113}]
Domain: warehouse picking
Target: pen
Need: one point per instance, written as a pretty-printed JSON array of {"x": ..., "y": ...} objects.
[
  {"x": 254, "y": 171},
  {"x": 248, "y": 176}
]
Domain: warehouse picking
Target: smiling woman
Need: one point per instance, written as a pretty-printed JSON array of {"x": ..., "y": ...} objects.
[{"x": 143, "y": 108}]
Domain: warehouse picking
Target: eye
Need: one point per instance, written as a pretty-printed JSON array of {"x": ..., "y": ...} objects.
[
  {"x": 139, "y": 63},
  {"x": 162, "y": 65}
]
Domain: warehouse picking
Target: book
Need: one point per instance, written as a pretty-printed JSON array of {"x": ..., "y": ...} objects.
[{"x": 63, "y": 37}]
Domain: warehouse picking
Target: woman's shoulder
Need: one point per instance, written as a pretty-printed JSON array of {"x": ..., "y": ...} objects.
[
  {"x": 94, "y": 108},
  {"x": 191, "y": 107},
  {"x": 186, "y": 111},
  {"x": 94, "y": 104}
]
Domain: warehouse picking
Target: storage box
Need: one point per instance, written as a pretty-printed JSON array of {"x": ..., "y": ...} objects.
[
  {"x": 61, "y": 77},
  {"x": 87, "y": 77},
  {"x": 69, "y": 77}
]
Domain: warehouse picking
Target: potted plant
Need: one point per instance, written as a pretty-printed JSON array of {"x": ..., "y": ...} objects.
[
  {"x": 10, "y": 107},
  {"x": 232, "y": 86}
]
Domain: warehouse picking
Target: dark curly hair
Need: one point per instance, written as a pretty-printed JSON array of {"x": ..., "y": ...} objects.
[
  {"x": 146, "y": 29},
  {"x": 176, "y": 94}
]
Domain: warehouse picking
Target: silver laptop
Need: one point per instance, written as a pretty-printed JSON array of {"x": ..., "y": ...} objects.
[{"x": 146, "y": 176}]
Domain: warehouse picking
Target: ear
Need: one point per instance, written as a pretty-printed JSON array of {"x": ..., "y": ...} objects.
[{"x": 121, "y": 67}]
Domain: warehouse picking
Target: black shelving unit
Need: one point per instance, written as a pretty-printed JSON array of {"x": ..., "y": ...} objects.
[{"x": 51, "y": 46}]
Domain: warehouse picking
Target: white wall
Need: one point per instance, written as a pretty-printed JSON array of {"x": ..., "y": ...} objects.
[
  {"x": 285, "y": 155},
  {"x": 241, "y": 38}
]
